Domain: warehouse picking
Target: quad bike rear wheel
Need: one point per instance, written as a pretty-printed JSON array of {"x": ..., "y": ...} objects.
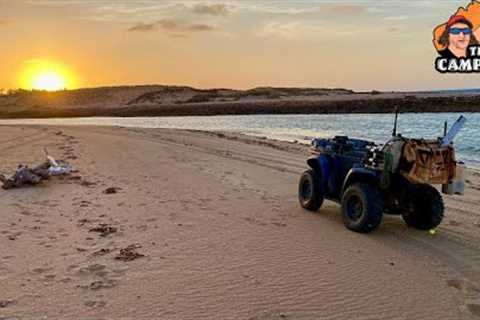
[
  {"x": 426, "y": 208},
  {"x": 309, "y": 191},
  {"x": 362, "y": 208}
]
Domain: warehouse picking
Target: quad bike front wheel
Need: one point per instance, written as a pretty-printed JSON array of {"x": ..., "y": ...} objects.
[
  {"x": 426, "y": 208},
  {"x": 362, "y": 208},
  {"x": 309, "y": 191}
]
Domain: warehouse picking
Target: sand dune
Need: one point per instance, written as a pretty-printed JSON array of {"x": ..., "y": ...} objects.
[
  {"x": 165, "y": 224},
  {"x": 177, "y": 100}
]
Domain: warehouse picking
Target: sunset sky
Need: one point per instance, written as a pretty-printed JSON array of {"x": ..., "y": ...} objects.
[{"x": 362, "y": 45}]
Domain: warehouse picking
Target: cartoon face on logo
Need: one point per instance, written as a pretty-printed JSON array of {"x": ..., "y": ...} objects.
[
  {"x": 457, "y": 37},
  {"x": 456, "y": 41}
]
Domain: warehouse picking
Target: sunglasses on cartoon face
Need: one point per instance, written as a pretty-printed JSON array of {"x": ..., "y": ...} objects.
[{"x": 457, "y": 31}]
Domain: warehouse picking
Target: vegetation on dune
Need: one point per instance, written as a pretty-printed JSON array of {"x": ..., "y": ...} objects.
[{"x": 156, "y": 100}]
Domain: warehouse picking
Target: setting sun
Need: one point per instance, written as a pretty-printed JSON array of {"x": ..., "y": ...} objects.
[
  {"x": 46, "y": 75},
  {"x": 50, "y": 81}
]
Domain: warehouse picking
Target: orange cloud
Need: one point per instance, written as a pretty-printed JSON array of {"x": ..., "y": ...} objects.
[
  {"x": 172, "y": 26},
  {"x": 143, "y": 27},
  {"x": 347, "y": 9},
  {"x": 212, "y": 9},
  {"x": 471, "y": 12}
]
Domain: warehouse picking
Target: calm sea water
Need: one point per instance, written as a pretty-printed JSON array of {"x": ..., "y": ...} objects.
[{"x": 376, "y": 127}]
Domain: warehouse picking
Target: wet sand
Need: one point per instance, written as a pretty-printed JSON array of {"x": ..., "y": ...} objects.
[{"x": 167, "y": 224}]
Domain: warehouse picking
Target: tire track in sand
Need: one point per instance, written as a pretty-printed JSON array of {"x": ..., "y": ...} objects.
[{"x": 459, "y": 262}]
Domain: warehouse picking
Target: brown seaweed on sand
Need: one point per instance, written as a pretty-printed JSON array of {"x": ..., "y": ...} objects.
[
  {"x": 104, "y": 229},
  {"x": 129, "y": 253}
]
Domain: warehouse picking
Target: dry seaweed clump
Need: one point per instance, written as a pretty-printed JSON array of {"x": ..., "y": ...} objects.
[
  {"x": 129, "y": 253},
  {"x": 104, "y": 229}
]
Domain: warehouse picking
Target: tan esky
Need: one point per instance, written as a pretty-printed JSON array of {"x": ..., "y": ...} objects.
[{"x": 361, "y": 45}]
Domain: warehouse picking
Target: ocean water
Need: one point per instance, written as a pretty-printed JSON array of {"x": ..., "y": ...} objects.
[{"x": 302, "y": 128}]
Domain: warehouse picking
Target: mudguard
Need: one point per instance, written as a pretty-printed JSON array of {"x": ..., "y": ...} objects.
[
  {"x": 321, "y": 165},
  {"x": 362, "y": 175}
]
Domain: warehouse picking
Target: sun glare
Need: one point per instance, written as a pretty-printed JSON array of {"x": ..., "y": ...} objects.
[
  {"x": 50, "y": 81},
  {"x": 46, "y": 75}
]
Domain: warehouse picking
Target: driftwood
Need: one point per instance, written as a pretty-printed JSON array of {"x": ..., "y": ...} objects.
[{"x": 27, "y": 176}]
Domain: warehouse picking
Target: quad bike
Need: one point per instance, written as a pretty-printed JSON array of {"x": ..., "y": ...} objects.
[{"x": 369, "y": 180}]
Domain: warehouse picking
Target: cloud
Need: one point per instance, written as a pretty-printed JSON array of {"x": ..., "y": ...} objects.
[
  {"x": 211, "y": 9},
  {"x": 347, "y": 9},
  {"x": 396, "y": 18},
  {"x": 178, "y": 26},
  {"x": 170, "y": 25},
  {"x": 301, "y": 30},
  {"x": 173, "y": 27},
  {"x": 289, "y": 30},
  {"x": 303, "y": 7},
  {"x": 200, "y": 27},
  {"x": 4, "y": 22},
  {"x": 268, "y": 8},
  {"x": 143, "y": 27}
]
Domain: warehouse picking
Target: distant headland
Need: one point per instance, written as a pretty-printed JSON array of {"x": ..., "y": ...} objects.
[{"x": 160, "y": 100}]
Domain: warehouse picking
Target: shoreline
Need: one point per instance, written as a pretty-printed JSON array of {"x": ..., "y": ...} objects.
[
  {"x": 377, "y": 106},
  {"x": 473, "y": 165}
]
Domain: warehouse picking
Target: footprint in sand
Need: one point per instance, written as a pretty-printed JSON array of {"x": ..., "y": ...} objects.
[
  {"x": 279, "y": 224},
  {"x": 457, "y": 284},
  {"x": 47, "y": 203},
  {"x": 101, "y": 252},
  {"x": 85, "y": 204},
  {"x": 112, "y": 190},
  {"x": 87, "y": 184},
  {"x": 6, "y": 303},
  {"x": 83, "y": 222},
  {"x": 100, "y": 284},
  {"x": 41, "y": 270},
  {"x": 464, "y": 286},
  {"x": 25, "y": 213},
  {"x": 14, "y": 236},
  {"x": 95, "y": 304},
  {"x": 142, "y": 228},
  {"x": 474, "y": 309},
  {"x": 91, "y": 269},
  {"x": 65, "y": 280},
  {"x": 50, "y": 277}
]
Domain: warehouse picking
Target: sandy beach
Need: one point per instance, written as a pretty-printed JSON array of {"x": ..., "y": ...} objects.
[{"x": 170, "y": 224}]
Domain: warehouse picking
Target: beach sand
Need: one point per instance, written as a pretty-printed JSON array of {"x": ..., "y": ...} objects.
[{"x": 210, "y": 228}]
